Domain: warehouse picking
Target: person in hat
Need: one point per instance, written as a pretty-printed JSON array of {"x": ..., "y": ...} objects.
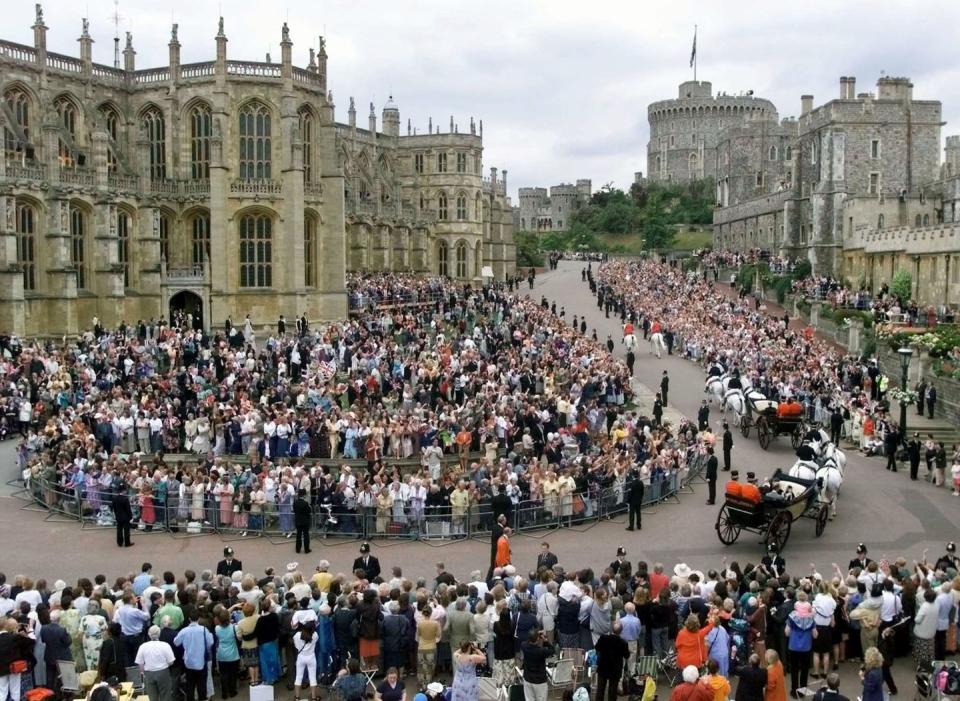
[
  {"x": 620, "y": 565},
  {"x": 913, "y": 455},
  {"x": 229, "y": 564},
  {"x": 727, "y": 446},
  {"x": 949, "y": 560},
  {"x": 634, "y": 500},
  {"x": 703, "y": 416},
  {"x": 367, "y": 562},
  {"x": 302, "y": 518},
  {"x": 861, "y": 560},
  {"x": 711, "y": 477}
]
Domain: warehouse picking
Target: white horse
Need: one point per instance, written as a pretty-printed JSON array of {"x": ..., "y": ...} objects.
[
  {"x": 830, "y": 476},
  {"x": 827, "y": 450},
  {"x": 714, "y": 389},
  {"x": 735, "y": 401},
  {"x": 657, "y": 344},
  {"x": 630, "y": 342}
]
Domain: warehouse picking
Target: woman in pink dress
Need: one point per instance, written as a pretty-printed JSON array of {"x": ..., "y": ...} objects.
[
  {"x": 225, "y": 495},
  {"x": 148, "y": 515}
]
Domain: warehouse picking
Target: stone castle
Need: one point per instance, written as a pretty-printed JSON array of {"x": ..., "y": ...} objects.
[
  {"x": 539, "y": 211},
  {"x": 220, "y": 188},
  {"x": 856, "y": 186}
]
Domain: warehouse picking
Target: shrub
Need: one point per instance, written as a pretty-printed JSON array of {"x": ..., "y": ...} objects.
[{"x": 901, "y": 285}]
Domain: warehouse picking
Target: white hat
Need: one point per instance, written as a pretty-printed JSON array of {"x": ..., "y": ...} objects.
[
  {"x": 293, "y": 566},
  {"x": 510, "y": 570},
  {"x": 435, "y": 688},
  {"x": 690, "y": 674},
  {"x": 683, "y": 571}
]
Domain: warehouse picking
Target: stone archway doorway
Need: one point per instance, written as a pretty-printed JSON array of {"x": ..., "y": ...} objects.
[{"x": 189, "y": 304}]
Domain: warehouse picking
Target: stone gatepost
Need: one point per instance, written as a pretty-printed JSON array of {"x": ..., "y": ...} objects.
[
  {"x": 815, "y": 314},
  {"x": 855, "y": 340}
]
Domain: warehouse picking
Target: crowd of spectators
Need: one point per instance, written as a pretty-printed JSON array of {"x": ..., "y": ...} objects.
[{"x": 764, "y": 622}]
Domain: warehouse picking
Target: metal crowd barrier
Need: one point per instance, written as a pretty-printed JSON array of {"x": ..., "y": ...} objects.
[{"x": 438, "y": 525}]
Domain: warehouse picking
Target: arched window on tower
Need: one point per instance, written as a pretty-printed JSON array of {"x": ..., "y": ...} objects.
[
  {"x": 201, "y": 130},
  {"x": 78, "y": 252},
  {"x": 443, "y": 258},
  {"x": 461, "y": 260},
  {"x": 111, "y": 123},
  {"x": 461, "y": 207},
  {"x": 123, "y": 244},
  {"x": 255, "y": 142},
  {"x": 67, "y": 118},
  {"x": 16, "y": 136},
  {"x": 310, "y": 251},
  {"x": 772, "y": 155},
  {"x": 442, "y": 206},
  {"x": 164, "y": 225},
  {"x": 307, "y": 128},
  {"x": 26, "y": 223},
  {"x": 880, "y": 222},
  {"x": 154, "y": 129},
  {"x": 200, "y": 238},
  {"x": 693, "y": 165},
  {"x": 256, "y": 250}
]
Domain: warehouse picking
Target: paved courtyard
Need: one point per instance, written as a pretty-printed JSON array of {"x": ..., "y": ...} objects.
[{"x": 893, "y": 515}]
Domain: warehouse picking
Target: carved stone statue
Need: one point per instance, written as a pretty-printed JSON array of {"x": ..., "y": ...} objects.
[
  {"x": 86, "y": 26},
  {"x": 173, "y": 32},
  {"x": 323, "y": 47},
  {"x": 220, "y": 27},
  {"x": 372, "y": 112},
  {"x": 352, "y": 107},
  {"x": 129, "y": 40},
  {"x": 39, "y": 8},
  {"x": 286, "y": 32}
]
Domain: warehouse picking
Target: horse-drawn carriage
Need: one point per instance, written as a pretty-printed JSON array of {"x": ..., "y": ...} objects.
[
  {"x": 789, "y": 499},
  {"x": 769, "y": 425}
]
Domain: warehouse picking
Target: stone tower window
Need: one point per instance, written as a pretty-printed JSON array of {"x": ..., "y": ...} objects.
[
  {"x": 256, "y": 250},
  {"x": 418, "y": 163},
  {"x": 773, "y": 153},
  {"x": 111, "y": 122},
  {"x": 461, "y": 260},
  {"x": 67, "y": 119},
  {"x": 926, "y": 220},
  {"x": 461, "y": 207},
  {"x": 307, "y": 128},
  {"x": 461, "y": 163},
  {"x": 201, "y": 129},
  {"x": 443, "y": 258},
  {"x": 423, "y": 202},
  {"x": 123, "y": 244},
  {"x": 880, "y": 222},
  {"x": 875, "y": 148},
  {"x": 154, "y": 130},
  {"x": 788, "y": 154},
  {"x": 26, "y": 217},
  {"x": 164, "y": 231},
  {"x": 78, "y": 235},
  {"x": 442, "y": 206},
  {"x": 255, "y": 142},
  {"x": 15, "y": 140},
  {"x": 441, "y": 163},
  {"x": 918, "y": 220},
  {"x": 874, "y": 183},
  {"x": 200, "y": 238},
  {"x": 310, "y": 251}
]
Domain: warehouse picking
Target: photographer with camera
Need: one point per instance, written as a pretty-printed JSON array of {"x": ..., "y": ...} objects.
[
  {"x": 465, "y": 661},
  {"x": 536, "y": 650}
]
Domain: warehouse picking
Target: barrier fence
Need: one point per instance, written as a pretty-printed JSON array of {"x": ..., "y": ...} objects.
[{"x": 202, "y": 514}]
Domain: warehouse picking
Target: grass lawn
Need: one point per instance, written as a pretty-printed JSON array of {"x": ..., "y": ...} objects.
[{"x": 632, "y": 244}]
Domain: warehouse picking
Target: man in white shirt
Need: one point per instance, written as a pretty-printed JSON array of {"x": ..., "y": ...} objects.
[{"x": 154, "y": 659}]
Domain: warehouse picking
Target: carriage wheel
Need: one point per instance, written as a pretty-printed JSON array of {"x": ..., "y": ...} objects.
[
  {"x": 727, "y": 530},
  {"x": 822, "y": 516},
  {"x": 763, "y": 432},
  {"x": 779, "y": 530},
  {"x": 745, "y": 426},
  {"x": 796, "y": 438}
]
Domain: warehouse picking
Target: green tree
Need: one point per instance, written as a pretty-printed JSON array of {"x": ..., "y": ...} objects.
[{"x": 901, "y": 285}]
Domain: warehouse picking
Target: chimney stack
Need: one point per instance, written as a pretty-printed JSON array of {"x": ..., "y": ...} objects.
[{"x": 806, "y": 104}]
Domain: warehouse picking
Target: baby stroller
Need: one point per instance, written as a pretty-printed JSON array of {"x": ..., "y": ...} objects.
[{"x": 739, "y": 633}]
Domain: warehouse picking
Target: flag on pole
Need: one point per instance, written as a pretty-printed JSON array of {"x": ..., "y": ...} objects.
[{"x": 693, "y": 52}]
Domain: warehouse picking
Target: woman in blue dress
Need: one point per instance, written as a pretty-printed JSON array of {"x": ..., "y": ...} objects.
[
  {"x": 465, "y": 661},
  {"x": 350, "y": 445},
  {"x": 285, "y": 507}
]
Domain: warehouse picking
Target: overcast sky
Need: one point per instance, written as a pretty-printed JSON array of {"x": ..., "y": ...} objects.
[{"x": 562, "y": 86}]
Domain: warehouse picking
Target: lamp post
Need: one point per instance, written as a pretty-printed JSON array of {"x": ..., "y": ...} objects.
[{"x": 905, "y": 354}]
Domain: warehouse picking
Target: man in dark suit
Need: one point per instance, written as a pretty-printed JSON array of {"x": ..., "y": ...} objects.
[
  {"x": 368, "y": 563},
  {"x": 634, "y": 499},
  {"x": 57, "y": 642},
  {"x": 302, "y": 518},
  {"x": 913, "y": 453},
  {"x": 664, "y": 387},
  {"x": 703, "y": 416},
  {"x": 501, "y": 504},
  {"x": 711, "y": 476},
  {"x": 753, "y": 679},
  {"x": 891, "y": 442},
  {"x": 727, "y": 446},
  {"x": 546, "y": 558},
  {"x": 229, "y": 564},
  {"x": 123, "y": 514},
  {"x": 861, "y": 560},
  {"x": 281, "y": 326}
]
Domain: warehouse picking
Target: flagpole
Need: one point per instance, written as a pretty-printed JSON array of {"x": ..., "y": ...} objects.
[{"x": 694, "y": 53}]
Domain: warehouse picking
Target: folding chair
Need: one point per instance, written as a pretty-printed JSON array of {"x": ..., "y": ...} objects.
[
  {"x": 135, "y": 677},
  {"x": 646, "y": 665},
  {"x": 369, "y": 673},
  {"x": 489, "y": 691},
  {"x": 69, "y": 679},
  {"x": 560, "y": 676},
  {"x": 579, "y": 664}
]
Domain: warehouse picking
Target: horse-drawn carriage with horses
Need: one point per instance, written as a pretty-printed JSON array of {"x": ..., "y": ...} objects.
[
  {"x": 755, "y": 410},
  {"x": 770, "y": 510}
]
